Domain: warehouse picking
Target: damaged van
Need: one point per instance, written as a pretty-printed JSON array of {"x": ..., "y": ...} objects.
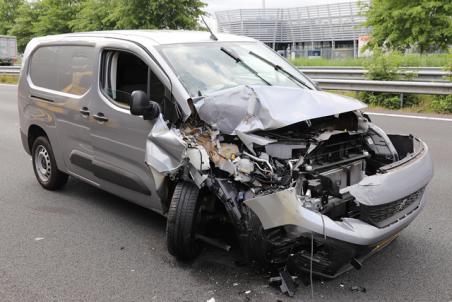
[{"x": 222, "y": 136}]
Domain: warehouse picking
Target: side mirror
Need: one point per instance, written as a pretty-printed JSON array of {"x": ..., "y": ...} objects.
[{"x": 140, "y": 105}]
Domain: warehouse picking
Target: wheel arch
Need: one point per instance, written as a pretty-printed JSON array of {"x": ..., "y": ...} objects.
[{"x": 35, "y": 131}]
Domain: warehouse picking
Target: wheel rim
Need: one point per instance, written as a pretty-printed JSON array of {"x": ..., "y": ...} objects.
[{"x": 43, "y": 165}]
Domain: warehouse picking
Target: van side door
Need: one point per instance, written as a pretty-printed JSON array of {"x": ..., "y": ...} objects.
[
  {"x": 118, "y": 137},
  {"x": 61, "y": 84}
]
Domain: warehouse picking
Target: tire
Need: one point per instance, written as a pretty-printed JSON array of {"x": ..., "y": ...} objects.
[
  {"x": 182, "y": 222},
  {"x": 258, "y": 245},
  {"x": 44, "y": 165}
]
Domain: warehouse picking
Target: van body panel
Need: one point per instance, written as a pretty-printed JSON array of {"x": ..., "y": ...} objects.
[
  {"x": 65, "y": 107},
  {"x": 119, "y": 143}
]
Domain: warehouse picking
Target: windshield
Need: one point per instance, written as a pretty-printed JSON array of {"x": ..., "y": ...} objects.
[{"x": 204, "y": 68}]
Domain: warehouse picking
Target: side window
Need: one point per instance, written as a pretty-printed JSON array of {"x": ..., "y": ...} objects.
[
  {"x": 67, "y": 69},
  {"x": 123, "y": 73}
]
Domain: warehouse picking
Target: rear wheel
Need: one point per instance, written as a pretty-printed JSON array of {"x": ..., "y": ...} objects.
[
  {"x": 182, "y": 222},
  {"x": 44, "y": 165}
]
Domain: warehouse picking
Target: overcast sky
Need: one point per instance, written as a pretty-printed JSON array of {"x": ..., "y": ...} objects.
[{"x": 217, "y": 5}]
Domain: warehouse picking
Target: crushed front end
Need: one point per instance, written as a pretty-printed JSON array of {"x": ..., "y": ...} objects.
[{"x": 324, "y": 192}]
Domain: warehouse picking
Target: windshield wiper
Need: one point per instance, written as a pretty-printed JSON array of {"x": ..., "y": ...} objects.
[
  {"x": 239, "y": 60},
  {"x": 280, "y": 68}
]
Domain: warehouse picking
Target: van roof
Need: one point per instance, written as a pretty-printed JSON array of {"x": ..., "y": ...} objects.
[{"x": 157, "y": 36}]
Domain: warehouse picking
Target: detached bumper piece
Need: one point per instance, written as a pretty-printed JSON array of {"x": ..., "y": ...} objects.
[
  {"x": 386, "y": 214},
  {"x": 331, "y": 258}
]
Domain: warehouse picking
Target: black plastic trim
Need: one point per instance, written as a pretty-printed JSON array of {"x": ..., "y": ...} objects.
[
  {"x": 40, "y": 98},
  {"x": 109, "y": 173},
  {"x": 119, "y": 177},
  {"x": 82, "y": 160}
]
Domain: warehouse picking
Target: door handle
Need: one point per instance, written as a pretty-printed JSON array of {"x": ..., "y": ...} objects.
[
  {"x": 100, "y": 117},
  {"x": 84, "y": 111}
]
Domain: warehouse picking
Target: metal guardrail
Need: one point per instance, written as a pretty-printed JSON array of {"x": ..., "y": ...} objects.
[
  {"x": 415, "y": 74},
  {"x": 322, "y": 71},
  {"x": 360, "y": 67},
  {"x": 13, "y": 70},
  {"x": 386, "y": 86},
  {"x": 352, "y": 84}
]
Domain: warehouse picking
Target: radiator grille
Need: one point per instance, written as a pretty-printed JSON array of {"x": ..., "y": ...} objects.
[{"x": 388, "y": 213}]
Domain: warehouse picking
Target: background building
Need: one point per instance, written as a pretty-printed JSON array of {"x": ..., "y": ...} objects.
[{"x": 329, "y": 30}]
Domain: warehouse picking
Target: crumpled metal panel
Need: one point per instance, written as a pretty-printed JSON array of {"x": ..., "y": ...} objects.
[
  {"x": 396, "y": 183},
  {"x": 250, "y": 139},
  {"x": 285, "y": 208},
  {"x": 165, "y": 149},
  {"x": 250, "y": 108},
  {"x": 277, "y": 209}
]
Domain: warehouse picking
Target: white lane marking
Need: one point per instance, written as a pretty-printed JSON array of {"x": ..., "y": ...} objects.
[
  {"x": 412, "y": 116},
  {"x": 10, "y": 85}
]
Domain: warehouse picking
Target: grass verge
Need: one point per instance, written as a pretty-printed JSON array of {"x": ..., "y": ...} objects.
[
  {"x": 8, "y": 79},
  {"x": 413, "y": 60}
]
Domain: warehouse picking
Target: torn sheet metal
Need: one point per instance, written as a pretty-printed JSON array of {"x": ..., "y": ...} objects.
[
  {"x": 198, "y": 158},
  {"x": 284, "y": 208},
  {"x": 165, "y": 149},
  {"x": 277, "y": 209},
  {"x": 250, "y": 108},
  {"x": 249, "y": 140},
  {"x": 385, "y": 187},
  {"x": 220, "y": 154}
]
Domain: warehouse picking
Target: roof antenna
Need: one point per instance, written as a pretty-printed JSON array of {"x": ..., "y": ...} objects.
[{"x": 212, "y": 35}]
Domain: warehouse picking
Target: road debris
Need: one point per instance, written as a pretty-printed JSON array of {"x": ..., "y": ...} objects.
[
  {"x": 286, "y": 283},
  {"x": 357, "y": 289}
]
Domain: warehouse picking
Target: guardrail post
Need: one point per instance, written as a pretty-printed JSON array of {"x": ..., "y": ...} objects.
[{"x": 401, "y": 100}]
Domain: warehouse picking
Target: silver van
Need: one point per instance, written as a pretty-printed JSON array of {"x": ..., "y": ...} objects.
[{"x": 222, "y": 136}]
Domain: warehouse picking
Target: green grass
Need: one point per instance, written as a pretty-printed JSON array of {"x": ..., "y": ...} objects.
[
  {"x": 8, "y": 79},
  {"x": 413, "y": 60}
]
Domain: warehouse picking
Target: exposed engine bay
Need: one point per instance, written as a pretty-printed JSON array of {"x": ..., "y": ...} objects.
[
  {"x": 314, "y": 156},
  {"x": 270, "y": 182}
]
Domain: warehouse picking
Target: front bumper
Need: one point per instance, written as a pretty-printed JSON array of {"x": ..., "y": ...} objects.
[{"x": 395, "y": 183}]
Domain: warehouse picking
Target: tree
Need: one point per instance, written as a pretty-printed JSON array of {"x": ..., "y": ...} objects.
[
  {"x": 8, "y": 13},
  {"x": 55, "y": 17},
  {"x": 163, "y": 14},
  {"x": 48, "y": 17},
  {"x": 23, "y": 26},
  {"x": 425, "y": 24},
  {"x": 41, "y": 18},
  {"x": 94, "y": 15}
]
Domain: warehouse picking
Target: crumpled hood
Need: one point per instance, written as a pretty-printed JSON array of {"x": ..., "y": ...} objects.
[{"x": 251, "y": 108}]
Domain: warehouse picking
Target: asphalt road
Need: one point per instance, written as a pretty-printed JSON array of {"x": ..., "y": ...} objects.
[{"x": 96, "y": 247}]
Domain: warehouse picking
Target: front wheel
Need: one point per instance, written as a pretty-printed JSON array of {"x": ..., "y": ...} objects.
[
  {"x": 44, "y": 165},
  {"x": 182, "y": 222}
]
